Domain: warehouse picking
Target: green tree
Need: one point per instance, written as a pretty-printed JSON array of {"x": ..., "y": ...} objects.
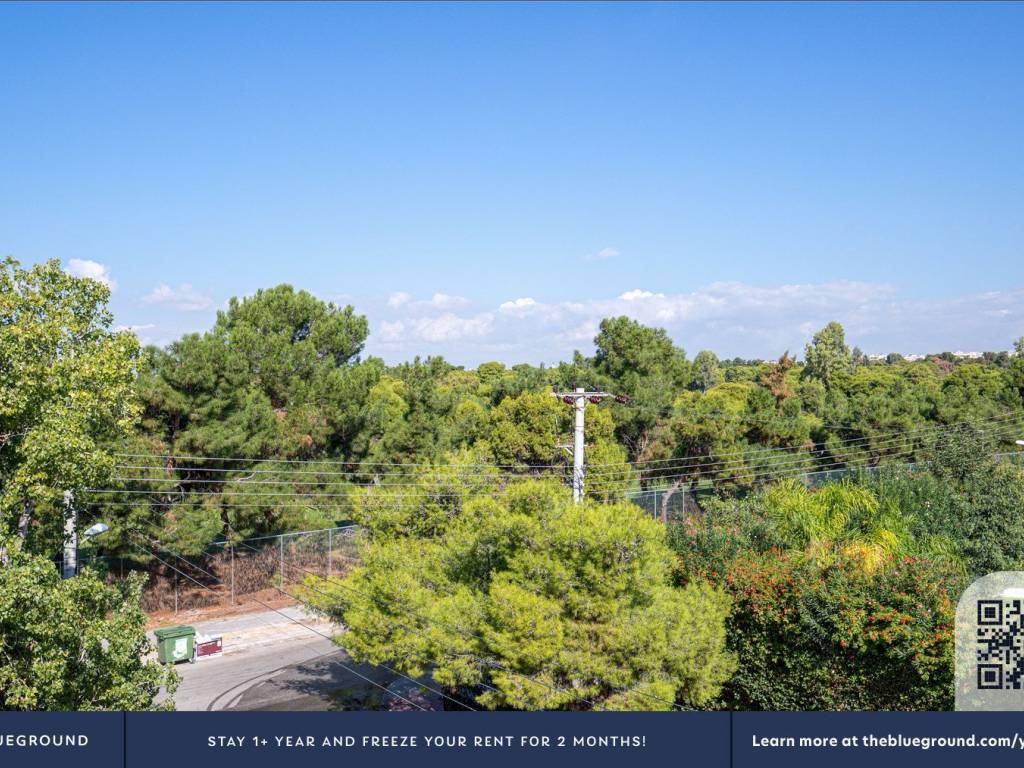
[
  {"x": 827, "y": 357},
  {"x": 707, "y": 372},
  {"x": 643, "y": 364},
  {"x": 884, "y": 407},
  {"x": 529, "y": 601},
  {"x": 73, "y": 644},
  {"x": 966, "y": 496},
  {"x": 525, "y": 429},
  {"x": 66, "y": 394},
  {"x": 974, "y": 392},
  {"x": 272, "y": 378},
  {"x": 709, "y": 429},
  {"x": 1016, "y": 367},
  {"x": 277, "y": 377}
]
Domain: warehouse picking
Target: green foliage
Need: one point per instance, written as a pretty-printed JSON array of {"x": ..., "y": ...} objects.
[
  {"x": 827, "y": 357},
  {"x": 66, "y": 392},
  {"x": 846, "y": 520},
  {"x": 711, "y": 424},
  {"x": 645, "y": 365},
  {"x": 610, "y": 477},
  {"x": 528, "y": 601},
  {"x": 972, "y": 500},
  {"x": 279, "y": 377},
  {"x": 274, "y": 377},
  {"x": 1016, "y": 368},
  {"x": 836, "y": 638},
  {"x": 707, "y": 372},
  {"x": 975, "y": 391},
  {"x": 525, "y": 429},
  {"x": 837, "y": 603},
  {"x": 74, "y": 644}
]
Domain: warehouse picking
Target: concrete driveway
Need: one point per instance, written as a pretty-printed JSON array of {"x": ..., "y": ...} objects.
[{"x": 272, "y": 663}]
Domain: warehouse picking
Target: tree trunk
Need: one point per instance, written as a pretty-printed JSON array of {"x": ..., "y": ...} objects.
[
  {"x": 25, "y": 519},
  {"x": 668, "y": 495}
]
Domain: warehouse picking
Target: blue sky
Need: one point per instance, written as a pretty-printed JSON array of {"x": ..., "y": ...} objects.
[{"x": 488, "y": 181}]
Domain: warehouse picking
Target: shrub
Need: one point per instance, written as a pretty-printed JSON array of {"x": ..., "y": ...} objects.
[{"x": 529, "y": 601}]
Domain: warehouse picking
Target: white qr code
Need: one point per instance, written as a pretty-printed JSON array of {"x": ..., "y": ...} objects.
[{"x": 1000, "y": 645}]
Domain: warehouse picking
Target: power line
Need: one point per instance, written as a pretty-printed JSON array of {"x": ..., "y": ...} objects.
[
  {"x": 1003, "y": 418},
  {"x": 681, "y": 461},
  {"x": 702, "y": 470},
  {"x": 329, "y": 462},
  {"x": 341, "y": 483},
  {"x": 754, "y": 473},
  {"x": 766, "y": 471},
  {"x": 704, "y": 466},
  {"x": 467, "y": 469},
  {"x": 440, "y": 470}
]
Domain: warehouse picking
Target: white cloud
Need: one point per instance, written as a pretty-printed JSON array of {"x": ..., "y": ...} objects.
[
  {"x": 444, "y": 301},
  {"x": 636, "y": 293},
  {"x": 397, "y": 299},
  {"x": 732, "y": 318},
  {"x": 184, "y": 298},
  {"x": 603, "y": 255},
  {"x": 517, "y": 304},
  {"x": 93, "y": 270},
  {"x": 449, "y": 327},
  {"x": 391, "y": 331}
]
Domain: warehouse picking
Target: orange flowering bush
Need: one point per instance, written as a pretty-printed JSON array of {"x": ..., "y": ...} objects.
[{"x": 814, "y": 632}]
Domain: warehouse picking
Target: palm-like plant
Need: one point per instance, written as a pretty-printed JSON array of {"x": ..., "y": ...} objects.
[{"x": 845, "y": 519}]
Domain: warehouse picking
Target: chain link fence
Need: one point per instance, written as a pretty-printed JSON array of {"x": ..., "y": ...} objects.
[
  {"x": 670, "y": 506},
  {"x": 227, "y": 572}
]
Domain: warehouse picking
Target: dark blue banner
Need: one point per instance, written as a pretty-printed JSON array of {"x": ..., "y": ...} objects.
[
  {"x": 877, "y": 739},
  {"x": 500, "y": 739},
  {"x": 451, "y": 739},
  {"x": 43, "y": 739}
]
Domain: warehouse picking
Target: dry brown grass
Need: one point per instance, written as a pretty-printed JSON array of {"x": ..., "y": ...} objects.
[{"x": 247, "y": 573}]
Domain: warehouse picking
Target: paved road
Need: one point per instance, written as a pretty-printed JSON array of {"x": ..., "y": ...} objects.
[{"x": 271, "y": 663}]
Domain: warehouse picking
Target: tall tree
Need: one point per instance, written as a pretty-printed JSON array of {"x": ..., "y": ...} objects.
[
  {"x": 66, "y": 392},
  {"x": 1016, "y": 367},
  {"x": 707, "y": 372},
  {"x": 827, "y": 357},
  {"x": 775, "y": 379},
  {"x": 642, "y": 363},
  {"x": 271, "y": 379}
]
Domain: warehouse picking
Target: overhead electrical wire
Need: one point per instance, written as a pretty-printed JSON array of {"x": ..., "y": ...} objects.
[
  {"x": 791, "y": 467},
  {"x": 928, "y": 428},
  {"x": 335, "y": 462},
  {"x": 747, "y": 461},
  {"x": 777, "y": 466},
  {"x": 457, "y": 469},
  {"x": 712, "y": 467}
]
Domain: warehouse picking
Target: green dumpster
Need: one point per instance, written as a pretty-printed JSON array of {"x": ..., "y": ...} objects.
[{"x": 174, "y": 644}]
